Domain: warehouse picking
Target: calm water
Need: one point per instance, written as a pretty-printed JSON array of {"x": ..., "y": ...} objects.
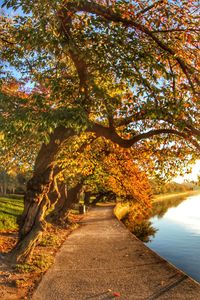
[{"x": 178, "y": 235}]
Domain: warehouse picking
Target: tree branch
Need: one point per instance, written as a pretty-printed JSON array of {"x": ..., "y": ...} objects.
[
  {"x": 110, "y": 133},
  {"x": 173, "y": 80},
  {"x": 143, "y": 11},
  {"x": 176, "y": 30},
  {"x": 110, "y": 15},
  {"x": 80, "y": 64},
  {"x": 144, "y": 115},
  {"x": 147, "y": 84},
  {"x": 6, "y": 41}
]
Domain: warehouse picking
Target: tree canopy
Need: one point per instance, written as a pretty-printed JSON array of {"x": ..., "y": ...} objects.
[
  {"x": 121, "y": 64},
  {"x": 124, "y": 71}
]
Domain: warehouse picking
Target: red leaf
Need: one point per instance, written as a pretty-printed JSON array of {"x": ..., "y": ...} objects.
[{"x": 116, "y": 294}]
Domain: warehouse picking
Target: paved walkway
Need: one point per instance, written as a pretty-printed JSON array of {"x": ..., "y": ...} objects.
[{"x": 102, "y": 260}]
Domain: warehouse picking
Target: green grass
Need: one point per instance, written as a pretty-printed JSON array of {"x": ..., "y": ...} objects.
[
  {"x": 121, "y": 209},
  {"x": 10, "y": 209},
  {"x": 40, "y": 263},
  {"x": 49, "y": 240}
]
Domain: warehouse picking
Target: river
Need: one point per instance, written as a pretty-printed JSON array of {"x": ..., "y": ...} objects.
[{"x": 178, "y": 236}]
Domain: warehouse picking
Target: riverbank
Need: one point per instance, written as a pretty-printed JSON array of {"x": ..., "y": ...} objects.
[
  {"x": 163, "y": 197},
  {"x": 123, "y": 208},
  {"x": 177, "y": 236}
]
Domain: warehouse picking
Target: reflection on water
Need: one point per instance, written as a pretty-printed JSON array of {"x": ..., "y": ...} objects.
[
  {"x": 143, "y": 229},
  {"x": 178, "y": 235},
  {"x": 161, "y": 207}
]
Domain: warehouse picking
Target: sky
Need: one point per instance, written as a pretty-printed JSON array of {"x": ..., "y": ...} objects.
[{"x": 192, "y": 176}]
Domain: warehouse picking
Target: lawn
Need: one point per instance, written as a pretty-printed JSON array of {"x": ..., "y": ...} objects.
[{"x": 10, "y": 209}]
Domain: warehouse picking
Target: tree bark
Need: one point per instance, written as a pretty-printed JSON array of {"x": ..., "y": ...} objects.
[
  {"x": 97, "y": 199},
  {"x": 36, "y": 201},
  {"x": 67, "y": 200},
  {"x": 53, "y": 217}
]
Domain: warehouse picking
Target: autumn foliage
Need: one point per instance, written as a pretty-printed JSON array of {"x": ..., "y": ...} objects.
[{"x": 121, "y": 71}]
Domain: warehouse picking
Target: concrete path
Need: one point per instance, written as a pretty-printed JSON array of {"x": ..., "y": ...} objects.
[{"x": 102, "y": 260}]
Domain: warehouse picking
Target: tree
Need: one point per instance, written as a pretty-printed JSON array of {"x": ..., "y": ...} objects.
[
  {"x": 102, "y": 170},
  {"x": 124, "y": 70}
]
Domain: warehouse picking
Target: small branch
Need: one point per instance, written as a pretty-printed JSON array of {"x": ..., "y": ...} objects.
[
  {"x": 135, "y": 117},
  {"x": 29, "y": 64},
  {"x": 146, "y": 83},
  {"x": 193, "y": 130},
  {"x": 6, "y": 41},
  {"x": 176, "y": 30},
  {"x": 149, "y": 8},
  {"x": 173, "y": 80}
]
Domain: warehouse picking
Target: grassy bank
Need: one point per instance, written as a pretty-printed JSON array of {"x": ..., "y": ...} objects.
[
  {"x": 10, "y": 209},
  {"x": 158, "y": 198},
  {"x": 139, "y": 224},
  {"x": 122, "y": 209}
]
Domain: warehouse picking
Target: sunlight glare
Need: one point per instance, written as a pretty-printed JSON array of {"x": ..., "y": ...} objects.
[
  {"x": 193, "y": 176},
  {"x": 187, "y": 214}
]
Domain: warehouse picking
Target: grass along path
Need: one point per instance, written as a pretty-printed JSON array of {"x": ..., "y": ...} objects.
[
  {"x": 10, "y": 209},
  {"x": 19, "y": 282}
]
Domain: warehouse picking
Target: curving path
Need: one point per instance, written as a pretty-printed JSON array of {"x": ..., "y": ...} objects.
[{"x": 102, "y": 260}]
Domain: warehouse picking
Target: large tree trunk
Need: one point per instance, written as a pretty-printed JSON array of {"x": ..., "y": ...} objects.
[
  {"x": 87, "y": 198},
  {"x": 67, "y": 199},
  {"x": 57, "y": 203},
  {"x": 97, "y": 199},
  {"x": 36, "y": 201}
]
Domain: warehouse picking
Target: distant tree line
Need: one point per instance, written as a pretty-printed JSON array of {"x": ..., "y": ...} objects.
[
  {"x": 159, "y": 187},
  {"x": 15, "y": 183},
  {"x": 12, "y": 183}
]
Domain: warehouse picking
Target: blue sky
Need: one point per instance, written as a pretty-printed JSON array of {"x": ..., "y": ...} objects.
[{"x": 10, "y": 11}]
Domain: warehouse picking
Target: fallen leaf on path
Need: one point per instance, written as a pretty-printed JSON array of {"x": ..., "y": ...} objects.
[{"x": 116, "y": 294}]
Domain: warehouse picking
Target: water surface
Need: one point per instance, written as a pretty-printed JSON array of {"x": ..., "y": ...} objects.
[{"x": 178, "y": 235}]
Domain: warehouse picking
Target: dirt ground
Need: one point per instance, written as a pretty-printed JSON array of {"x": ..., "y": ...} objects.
[{"x": 18, "y": 282}]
